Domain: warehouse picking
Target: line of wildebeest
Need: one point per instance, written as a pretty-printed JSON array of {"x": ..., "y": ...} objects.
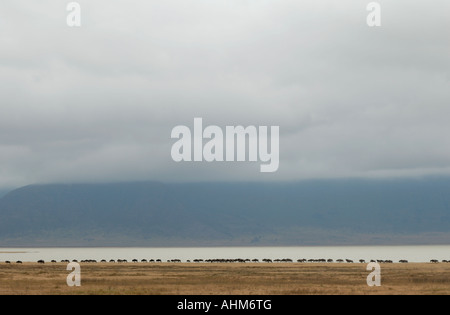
[{"x": 239, "y": 260}]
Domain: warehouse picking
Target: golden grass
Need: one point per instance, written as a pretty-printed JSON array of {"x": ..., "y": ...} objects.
[{"x": 234, "y": 279}]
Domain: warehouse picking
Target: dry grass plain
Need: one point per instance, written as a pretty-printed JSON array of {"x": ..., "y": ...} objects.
[{"x": 223, "y": 279}]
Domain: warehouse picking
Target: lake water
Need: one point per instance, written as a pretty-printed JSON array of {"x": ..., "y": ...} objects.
[{"x": 395, "y": 253}]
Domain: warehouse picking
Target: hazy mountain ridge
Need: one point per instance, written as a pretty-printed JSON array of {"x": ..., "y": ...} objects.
[
  {"x": 3, "y": 193},
  {"x": 154, "y": 214}
]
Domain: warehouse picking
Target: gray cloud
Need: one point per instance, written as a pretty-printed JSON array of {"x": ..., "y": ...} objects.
[{"x": 98, "y": 103}]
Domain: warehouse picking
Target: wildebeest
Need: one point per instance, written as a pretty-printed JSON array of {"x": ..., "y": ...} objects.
[
  {"x": 403, "y": 261},
  {"x": 384, "y": 261},
  {"x": 41, "y": 262},
  {"x": 434, "y": 261},
  {"x": 88, "y": 261}
]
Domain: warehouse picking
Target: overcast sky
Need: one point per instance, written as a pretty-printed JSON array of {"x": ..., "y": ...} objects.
[{"x": 98, "y": 103}]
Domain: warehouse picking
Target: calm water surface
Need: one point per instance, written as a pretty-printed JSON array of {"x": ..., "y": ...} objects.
[{"x": 395, "y": 253}]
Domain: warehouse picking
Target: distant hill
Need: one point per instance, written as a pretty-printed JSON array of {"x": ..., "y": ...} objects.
[
  {"x": 322, "y": 212},
  {"x": 3, "y": 192}
]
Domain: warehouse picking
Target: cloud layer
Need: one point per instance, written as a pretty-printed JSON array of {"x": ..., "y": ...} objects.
[{"x": 98, "y": 103}]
